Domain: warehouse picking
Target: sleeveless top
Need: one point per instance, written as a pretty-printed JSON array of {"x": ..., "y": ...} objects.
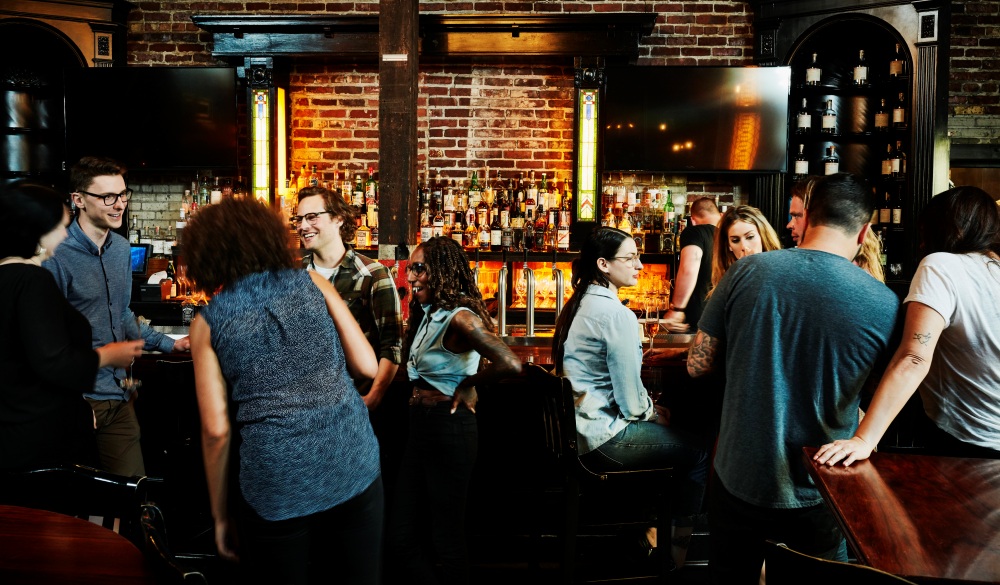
[
  {"x": 307, "y": 444},
  {"x": 430, "y": 360}
]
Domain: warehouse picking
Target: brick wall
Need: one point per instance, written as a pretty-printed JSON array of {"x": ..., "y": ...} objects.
[
  {"x": 513, "y": 118},
  {"x": 974, "y": 90}
]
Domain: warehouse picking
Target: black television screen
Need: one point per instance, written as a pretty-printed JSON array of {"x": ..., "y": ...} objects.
[
  {"x": 153, "y": 118},
  {"x": 695, "y": 119},
  {"x": 140, "y": 258}
]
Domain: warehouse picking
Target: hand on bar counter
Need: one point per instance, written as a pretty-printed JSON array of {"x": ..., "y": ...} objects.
[{"x": 675, "y": 325}]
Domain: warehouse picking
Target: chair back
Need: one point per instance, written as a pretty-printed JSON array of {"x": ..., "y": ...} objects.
[
  {"x": 784, "y": 566},
  {"x": 84, "y": 492},
  {"x": 558, "y": 416},
  {"x": 157, "y": 549}
]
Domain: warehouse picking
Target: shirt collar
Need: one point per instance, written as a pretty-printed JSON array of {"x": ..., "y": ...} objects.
[
  {"x": 76, "y": 232},
  {"x": 601, "y": 291}
]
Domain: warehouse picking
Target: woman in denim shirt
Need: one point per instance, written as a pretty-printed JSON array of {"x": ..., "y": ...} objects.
[{"x": 597, "y": 347}]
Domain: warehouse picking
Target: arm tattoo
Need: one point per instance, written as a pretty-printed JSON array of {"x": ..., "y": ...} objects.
[
  {"x": 701, "y": 356},
  {"x": 922, "y": 338}
]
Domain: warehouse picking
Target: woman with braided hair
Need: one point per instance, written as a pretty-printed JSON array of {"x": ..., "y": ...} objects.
[{"x": 449, "y": 329}]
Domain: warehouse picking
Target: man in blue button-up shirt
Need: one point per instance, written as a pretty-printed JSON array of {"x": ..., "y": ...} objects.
[{"x": 93, "y": 269}]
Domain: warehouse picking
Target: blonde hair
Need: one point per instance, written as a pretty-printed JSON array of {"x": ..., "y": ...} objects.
[
  {"x": 722, "y": 256},
  {"x": 869, "y": 256}
]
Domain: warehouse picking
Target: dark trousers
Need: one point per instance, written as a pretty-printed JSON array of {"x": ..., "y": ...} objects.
[
  {"x": 341, "y": 545},
  {"x": 738, "y": 531},
  {"x": 427, "y": 520},
  {"x": 118, "y": 448}
]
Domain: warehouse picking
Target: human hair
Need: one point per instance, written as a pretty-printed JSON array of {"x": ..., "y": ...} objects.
[
  {"x": 704, "y": 207},
  {"x": 336, "y": 206},
  {"x": 722, "y": 256},
  {"x": 803, "y": 189},
  {"x": 28, "y": 211},
  {"x": 450, "y": 281},
  {"x": 603, "y": 242},
  {"x": 88, "y": 168},
  {"x": 869, "y": 257},
  {"x": 844, "y": 201},
  {"x": 232, "y": 239},
  {"x": 959, "y": 221}
]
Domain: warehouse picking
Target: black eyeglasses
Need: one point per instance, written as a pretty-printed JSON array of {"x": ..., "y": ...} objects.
[
  {"x": 295, "y": 220},
  {"x": 110, "y": 198},
  {"x": 417, "y": 268}
]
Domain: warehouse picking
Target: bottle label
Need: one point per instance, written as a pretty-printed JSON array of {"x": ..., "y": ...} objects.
[
  {"x": 437, "y": 230},
  {"x": 887, "y": 167},
  {"x": 363, "y": 239},
  {"x": 898, "y": 116},
  {"x": 897, "y": 216},
  {"x": 831, "y": 168},
  {"x": 801, "y": 168},
  {"x": 895, "y": 68},
  {"x": 884, "y": 215},
  {"x": 562, "y": 238},
  {"x": 829, "y": 122},
  {"x": 496, "y": 237},
  {"x": 861, "y": 74},
  {"x": 805, "y": 121},
  {"x": 882, "y": 120},
  {"x": 813, "y": 75},
  {"x": 895, "y": 166},
  {"x": 458, "y": 237},
  {"x": 426, "y": 233}
]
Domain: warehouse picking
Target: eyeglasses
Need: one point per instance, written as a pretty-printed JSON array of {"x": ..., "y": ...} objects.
[
  {"x": 633, "y": 259},
  {"x": 417, "y": 268},
  {"x": 295, "y": 220},
  {"x": 110, "y": 198}
]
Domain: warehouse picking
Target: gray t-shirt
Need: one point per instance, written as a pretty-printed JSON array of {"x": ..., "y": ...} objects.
[
  {"x": 961, "y": 392},
  {"x": 801, "y": 330}
]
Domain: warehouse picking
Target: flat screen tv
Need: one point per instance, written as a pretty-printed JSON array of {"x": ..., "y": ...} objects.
[
  {"x": 695, "y": 119},
  {"x": 153, "y": 118}
]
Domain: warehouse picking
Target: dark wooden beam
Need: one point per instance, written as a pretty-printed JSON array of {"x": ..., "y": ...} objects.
[{"x": 397, "y": 120}]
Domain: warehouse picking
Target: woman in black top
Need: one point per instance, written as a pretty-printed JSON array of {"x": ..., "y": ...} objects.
[{"x": 45, "y": 344}]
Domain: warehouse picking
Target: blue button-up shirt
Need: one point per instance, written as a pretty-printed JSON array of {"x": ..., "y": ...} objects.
[
  {"x": 98, "y": 283},
  {"x": 603, "y": 361}
]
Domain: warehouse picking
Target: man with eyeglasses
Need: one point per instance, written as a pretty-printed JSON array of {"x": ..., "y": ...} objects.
[
  {"x": 324, "y": 223},
  {"x": 694, "y": 271},
  {"x": 93, "y": 269}
]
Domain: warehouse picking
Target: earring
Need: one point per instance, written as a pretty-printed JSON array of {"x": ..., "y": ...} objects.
[{"x": 40, "y": 250}]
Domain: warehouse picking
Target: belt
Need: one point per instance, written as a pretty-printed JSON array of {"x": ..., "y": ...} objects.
[{"x": 427, "y": 397}]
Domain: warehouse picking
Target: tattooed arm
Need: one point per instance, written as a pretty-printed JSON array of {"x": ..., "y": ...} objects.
[
  {"x": 907, "y": 369},
  {"x": 702, "y": 354}
]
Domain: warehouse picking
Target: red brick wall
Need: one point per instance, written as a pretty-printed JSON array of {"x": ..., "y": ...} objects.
[{"x": 975, "y": 57}]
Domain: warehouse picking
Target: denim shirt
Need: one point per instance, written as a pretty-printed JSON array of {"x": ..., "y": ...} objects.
[
  {"x": 98, "y": 283},
  {"x": 603, "y": 360},
  {"x": 431, "y": 360}
]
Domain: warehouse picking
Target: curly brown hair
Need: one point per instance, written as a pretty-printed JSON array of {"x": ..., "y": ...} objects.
[
  {"x": 337, "y": 208},
  {"x": 232, "y": 239},
  {"x": 450, "y": 281}
]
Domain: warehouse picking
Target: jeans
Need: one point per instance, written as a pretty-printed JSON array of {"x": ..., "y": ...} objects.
[
  {"x": 647, "y": 445},
  {"x": 738, "y": 531},
  {"x": 432, "y": 490},
  {"x": 118, "y": 447},
  {"x": 339, "y": 545}
]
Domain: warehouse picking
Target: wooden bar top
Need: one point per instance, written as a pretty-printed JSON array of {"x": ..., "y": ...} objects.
[{"x": 931, "y": 519}]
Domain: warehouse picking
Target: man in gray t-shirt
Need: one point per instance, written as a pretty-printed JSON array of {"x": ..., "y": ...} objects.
[{"x": 797, "y": 332}]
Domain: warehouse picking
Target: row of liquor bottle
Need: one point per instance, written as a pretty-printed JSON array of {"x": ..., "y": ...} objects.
[
  {"x": 499, "y": 216},
  {"x": 649, "y": 214},
  {"x": 893, "y": 163},
  {"x": 861, "y": 73},
  {"x": 884, "y": 118}
]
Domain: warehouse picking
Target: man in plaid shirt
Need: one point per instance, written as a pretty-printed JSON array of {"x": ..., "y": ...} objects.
[{"x": 324, "y": 222}]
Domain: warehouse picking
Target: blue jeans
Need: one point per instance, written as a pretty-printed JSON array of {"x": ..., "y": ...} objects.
[
  {"x": 647, "y": 445},
  {"x": 339, "y": 545},
  {"x": 431, "y": 492}
]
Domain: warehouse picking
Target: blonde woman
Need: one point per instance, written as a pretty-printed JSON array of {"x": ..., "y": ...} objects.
[{"x": 742, "y": 232}]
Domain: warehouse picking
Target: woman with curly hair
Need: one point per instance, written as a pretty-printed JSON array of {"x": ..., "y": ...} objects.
[
  {"x": 280, "y": 345},
  {"x": 743, "y": 231},
  {"x": 449, "y": 329}
]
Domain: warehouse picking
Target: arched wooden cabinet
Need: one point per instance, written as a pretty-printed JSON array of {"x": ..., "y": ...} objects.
[{"x": 905, "y": 63}]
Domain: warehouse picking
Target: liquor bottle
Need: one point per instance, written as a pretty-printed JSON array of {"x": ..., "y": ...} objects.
[
  {"x": 898, "y": 161},
  {"x": 482, "y": 208},
  {"x": 885, "y": 211},
  {"x": 884, "y": 255},
  {"x": 363, "y": 236},
  {"x": 552, "y": 230},
  {"x": 506, "y": 230},
  {"x": 898, "y": 65},
  {"x": 669, "y": 214},
  {"x": 496, "y": 230},
  {"x": 358, "y": 193},
  {"x": 887, "y": 162},
  {"x": 374, "y": 236},
  {"x": 517, "y": 221},
  {"x": 801, "y": 165},
  {"x": 426, "y": 229},
  {"x": 371, "y": 186},
  {"x": 437, "y": 224},
  {"x": 302, "y": 181},
  {"x": 134, "y": 233},
  {"x": 562, "y": 229},
  {"x": 313, "y": 177},
  {"x": 899, "y": 112},
  {"x": 528, "y": 242},
  {"x": 861, "y": 70},
  {"x": 813, "y": 72},
  {"x": 829, "y": 119},
  {"x": 346, "y": 188},
  {"x": 831, "y": 162},
  {"x": 204, "y": 193},
  {"x": 803, "y": 123},
  {"x": 533, "y": 193},
  {"x": 185, "y": 207},
  {"x": 470, "y": 235},
  {"x": 540, "y": 228},
  {"x": 897, "y": 209},
  {"x": 489, "y": 194},
  {"x": 881, "y": 118},
  {"x": 458, "y": 229},
  {"x": 484, "y": 236}
]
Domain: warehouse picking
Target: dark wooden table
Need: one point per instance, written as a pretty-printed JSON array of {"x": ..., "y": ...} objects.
[
  {"x": 37, "y": 546},
  {"x": 930, "y": 519}
]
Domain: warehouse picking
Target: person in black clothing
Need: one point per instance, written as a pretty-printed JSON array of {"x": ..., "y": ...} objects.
[
  {"x": 694, "y": 272},
  {"x": 45, "y": 349}
]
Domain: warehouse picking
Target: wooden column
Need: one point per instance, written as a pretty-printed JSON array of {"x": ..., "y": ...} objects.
[{"x": 397, "y": 120}]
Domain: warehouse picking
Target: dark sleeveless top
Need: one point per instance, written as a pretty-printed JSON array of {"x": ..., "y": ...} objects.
[{"x": 307, "y": 444}]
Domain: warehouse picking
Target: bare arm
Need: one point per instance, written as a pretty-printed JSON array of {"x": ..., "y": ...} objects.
[
  {"x": 358, "y": 352},
  {"x": 687, "y": 277},
  {"x": 466, "y": 332},
  {"x": 386, "y": 372},
  {"x": 210, "y": 386},
  {"x": 909, "y": 366},
  {"x": 702, "y": 354}
]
